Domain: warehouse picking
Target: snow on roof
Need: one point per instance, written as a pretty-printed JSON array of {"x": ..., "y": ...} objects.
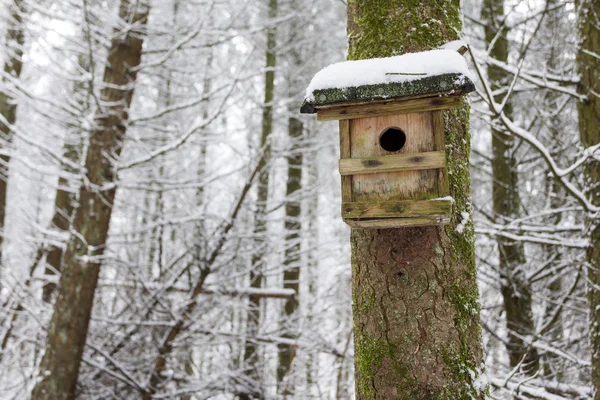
[{"x": 442, "y": 71}]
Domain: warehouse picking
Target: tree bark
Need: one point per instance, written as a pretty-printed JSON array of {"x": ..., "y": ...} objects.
[
  {"x": 260, "y": 225},
  {"x": 59, "y": 368},
  {"x": 416, "y": 310},
  {"x": 15, "y": 40},
  {"x": 514, "y": 286},
  {"x": 64, "y": 206},
  {"x": 291, "y": 274},
  {"x": 588, "y": 62}
]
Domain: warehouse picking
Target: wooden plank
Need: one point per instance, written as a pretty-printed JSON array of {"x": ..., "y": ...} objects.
[
  {"x": 401, "y": 208},
  {"x": 439, "y": 138},
  {"x": 345, "y": 153},
  {"x": 393, "y": 163},
  {"x": 395, "y": 222},
  {"x": 388, "y": 186},
  {"x": 375, "y": 109}
]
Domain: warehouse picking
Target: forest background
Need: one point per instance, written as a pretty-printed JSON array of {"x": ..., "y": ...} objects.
[{"x": 212, "y": 215}]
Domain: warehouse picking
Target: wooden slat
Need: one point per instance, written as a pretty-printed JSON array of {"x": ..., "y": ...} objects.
[
  {"x": 376, "y": 109},
  {"x": 393, "y": 163},
  {"x": 345, "y": 153},
  {"x": 439, "y": 137},
  {"x": 395, "y": 222},
  {"x": 401, "y": 208},
  {"x": 392, "y": 186}
]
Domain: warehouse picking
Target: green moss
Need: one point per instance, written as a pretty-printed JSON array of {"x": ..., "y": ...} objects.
[
  {"x": 371, "y": 354},
  {"x": 392, "y": 27},
  {"x": 464, "y": 294},
  {"x": 432, "y": 85},
  {"x": 458, "y": 147},
  {"x": 459, "y": 361}
]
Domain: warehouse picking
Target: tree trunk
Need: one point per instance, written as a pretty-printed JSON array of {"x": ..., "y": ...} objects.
[
  {"x": 416, "y": 310},
  {"x": 260, "y": 225},
  {"x": 291, "y": 274},
  {"x": 64, "y": 206},
  {"x": 588, "y": 62},
  {"x": 514, "y": 287},
  {"x": 59, "y": 368},
  {"x": 15, "y": 40},
  {"x": 553, "y": 365}
]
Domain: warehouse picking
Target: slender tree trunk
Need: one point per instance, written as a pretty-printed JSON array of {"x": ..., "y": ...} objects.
[
  {"x": 15, "y": 40},
  {"x": 416, "y": 311},
  {"x": 552, "y": 364},
  {"x": 65, "y": 200},
  {"x": 260, "y": 227},
  {"x": 64, "y": 206},
  {"x": 291, "y": 274},
  {"x": 312, "y": 263},
  {"x": 514, "y": 287},
  {"x": 588, "y": 60},
  {"x": 59, "y": 368}
]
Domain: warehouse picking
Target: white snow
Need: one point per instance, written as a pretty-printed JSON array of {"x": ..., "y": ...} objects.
[
  {"x": 404, "y": 68},
  {"x": 454, "y": 45},
  {"x": 463, "y": 223}
]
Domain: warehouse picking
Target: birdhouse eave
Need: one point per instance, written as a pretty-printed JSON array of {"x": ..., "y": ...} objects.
[{"x": 450, "y": 84}]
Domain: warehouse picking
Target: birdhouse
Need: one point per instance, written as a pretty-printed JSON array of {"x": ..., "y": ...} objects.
[{"x": 391, "y": 125}]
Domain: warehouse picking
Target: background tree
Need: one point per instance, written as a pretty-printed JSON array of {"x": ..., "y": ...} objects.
[
  {"x": 515, "y": 288},
  {"x": 81, "y": 266},
  {"x": 588, "y": 62},
  {"x": 13, "y": 65},
  {"x": 260, "y": 224},
  {"x": 171, "y": 305}
]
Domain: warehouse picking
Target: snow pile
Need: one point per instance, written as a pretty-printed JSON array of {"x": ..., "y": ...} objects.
[
  {"x": 398, "y": 69},
  {"x": 455, "y": 45},
  {"x": 463, "y": 224}
]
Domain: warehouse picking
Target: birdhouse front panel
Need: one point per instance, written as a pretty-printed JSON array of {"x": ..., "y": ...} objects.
[
  {"x": 394, "y": 171},
  {"x": 403, "y": 134}
]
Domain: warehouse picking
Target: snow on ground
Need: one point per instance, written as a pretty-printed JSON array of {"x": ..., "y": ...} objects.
[{"x": 404, "y": 68}]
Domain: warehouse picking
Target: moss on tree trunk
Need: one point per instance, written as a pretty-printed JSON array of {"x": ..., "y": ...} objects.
[
  {"x": 589, "y": 121},
  {"x": 416, "y": 312}
]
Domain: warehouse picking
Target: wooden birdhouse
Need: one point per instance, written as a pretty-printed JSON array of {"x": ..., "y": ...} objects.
[{"x": 390, "y": 112}]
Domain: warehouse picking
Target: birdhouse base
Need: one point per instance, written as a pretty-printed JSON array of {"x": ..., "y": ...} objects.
[
  {"x": 399, "y": 213},
  {"x": 395, "y": 222}
]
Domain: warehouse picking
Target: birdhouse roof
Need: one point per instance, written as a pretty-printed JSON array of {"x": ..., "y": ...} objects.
[{"x": 427, "y": 74}]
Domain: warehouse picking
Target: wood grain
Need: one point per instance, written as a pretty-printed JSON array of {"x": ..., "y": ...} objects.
[
  {"x": 404, "y": 208},
  {"x": 375, "y": 109},
  {"x": 393, "y": 163},
  {"x": 345, "y": 153},
  {"x": 437, "y": 118},
  {"x": 395, "y": 222}
]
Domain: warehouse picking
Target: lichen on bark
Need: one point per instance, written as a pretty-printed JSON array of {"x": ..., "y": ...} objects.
[{"x": 416, "y": 310}]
